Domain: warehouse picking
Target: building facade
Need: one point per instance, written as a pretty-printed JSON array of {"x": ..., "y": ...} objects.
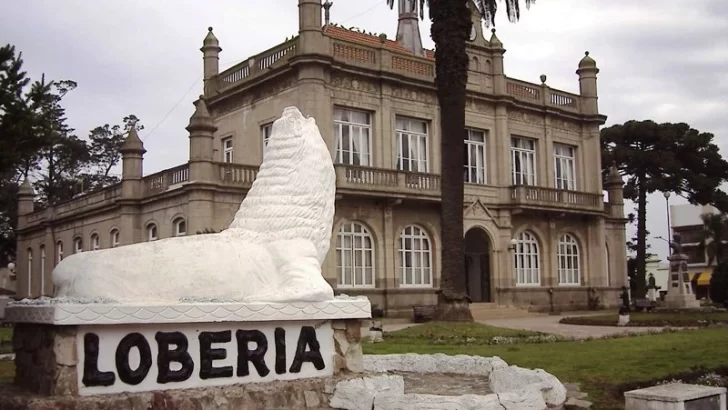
[
  {"x": 687, "y": 220},
  {"x": 538, "y": 231}
]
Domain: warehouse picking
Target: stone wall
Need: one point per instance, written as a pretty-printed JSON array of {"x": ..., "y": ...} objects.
[
  {"x": 297, "y": 394},
  {"x": 45, "y": 359}
]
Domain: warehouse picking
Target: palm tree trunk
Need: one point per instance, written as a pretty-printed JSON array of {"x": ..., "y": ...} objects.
[{"x": 450, "y": 29}]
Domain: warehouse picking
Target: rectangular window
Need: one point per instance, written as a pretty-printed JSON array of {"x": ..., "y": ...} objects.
[
  {"x": 412, "y": 145},
  {"x": 475, "y": 167},
  {"x": 564, "y": 167},
  {"x": 266, "y": 130},
  {"x": 227, "y": 150},
  {"x": 353, "y": 130},
  {"x": 523, "y": 161}
]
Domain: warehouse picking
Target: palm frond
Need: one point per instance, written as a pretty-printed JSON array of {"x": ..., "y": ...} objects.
[{"x": 489, "y": 8}]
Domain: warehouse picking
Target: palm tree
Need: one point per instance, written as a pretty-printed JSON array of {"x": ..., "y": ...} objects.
[
  {"x": 451, "y": 25},
  {"x": 715, "y": 237}
]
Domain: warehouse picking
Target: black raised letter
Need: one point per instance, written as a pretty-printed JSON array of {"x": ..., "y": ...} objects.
[
  {"x": 208, "y": 354},
  {"x": 307, "y": 337},
  {"x": 126, "y": 374},
  {"x": 280, "y": 339},
  {"x": 257, "y": 356},
  {"x": 165, "y": 357},
  {"x": 91, "y": 374}
]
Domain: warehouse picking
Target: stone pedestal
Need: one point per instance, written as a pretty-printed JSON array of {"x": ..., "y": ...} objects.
[
  {"x": 88, "y": 349},
  {"x": 676, "y": 396},
  {"x": 679, "y": 291}
]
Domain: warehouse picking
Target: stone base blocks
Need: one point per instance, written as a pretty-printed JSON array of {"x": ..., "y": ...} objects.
[
  {"x": 71, "y": 350},
  {"x": 676, "y": 396},
  {"x": 514, "y": 388}
]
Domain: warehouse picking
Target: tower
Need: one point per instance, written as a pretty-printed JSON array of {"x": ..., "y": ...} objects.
[
  {"x": 408, "y": 29},
  {"x": 588, "y": 85},
  {"x": 615, "y": 188},
  {"x": 499, "y": 77},
  {"x": 210, "y": 57},
  {"x": 202, "y": 130},
  {"x": 311, "y": 39}
]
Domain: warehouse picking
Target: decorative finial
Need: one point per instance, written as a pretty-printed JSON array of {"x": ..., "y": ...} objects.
[
  {"x": 492, "y": 30},
  {"x": 586, "y": 53},
  {"x": 543, "y": 78},
  {"x": 327, "y": 14},
  {"x": 209, "y": 29}
]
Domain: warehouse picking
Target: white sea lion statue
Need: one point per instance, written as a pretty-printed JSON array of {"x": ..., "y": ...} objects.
[{"x": 272, "y": 251}]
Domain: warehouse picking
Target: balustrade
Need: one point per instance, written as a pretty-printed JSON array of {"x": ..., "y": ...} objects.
[{"x": 556, "y": 198}]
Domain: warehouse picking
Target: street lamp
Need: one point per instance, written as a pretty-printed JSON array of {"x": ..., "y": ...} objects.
[
  {"x": 11, "y": 268},
  {"x": 513, "y": 243},
  {"x": 669, "y": 229}
]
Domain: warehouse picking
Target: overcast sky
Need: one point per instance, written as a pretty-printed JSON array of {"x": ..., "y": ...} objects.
[{"x": 659, "y": 60}]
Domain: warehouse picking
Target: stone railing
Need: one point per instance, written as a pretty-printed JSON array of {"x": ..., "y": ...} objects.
[
  {"x": 164, "y": 180},
  {"x": 564, "y": 100},
  {"x": 237, "y": 174},
  {"x": 556, "y": 198},
  {"x": 523, "y": 90},
  {"x": 372, "y": 58},
  {"x": 257, "y": 64},
  {"x": 102, "y": 197},
  {"x": 386, "y": 181}
]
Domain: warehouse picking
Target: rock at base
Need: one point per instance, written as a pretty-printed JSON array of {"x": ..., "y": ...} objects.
[
  {"x": 359, "y": 394},
  {"x": 514, "y": 378},
  {"x": 623, "y": 320}
]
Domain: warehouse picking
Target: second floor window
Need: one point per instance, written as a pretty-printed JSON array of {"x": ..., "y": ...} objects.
[
  {"x": 523, "y": 161},
  {"x": 352, "y": 131},
  {"x": 412, "y": 145},
  {"x": 227, "y": 150},
  {"x": 77, "y": 245},
  {"x": 266, "y": 130},
  {"x": 564, "y": 167},
  {"x": 475, "y": 172}
]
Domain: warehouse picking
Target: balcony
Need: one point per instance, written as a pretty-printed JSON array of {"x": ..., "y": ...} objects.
[
  {"x": 362, "y": 181},
  {"x": 556, "y": 199}
]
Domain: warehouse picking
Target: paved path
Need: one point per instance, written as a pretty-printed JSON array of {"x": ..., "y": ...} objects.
[{"x": 549, "y": 324}]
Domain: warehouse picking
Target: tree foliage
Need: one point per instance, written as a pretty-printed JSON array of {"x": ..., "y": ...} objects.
[
  {"x": 37, "y": 143},
  {"x": 667, "y": 157}
]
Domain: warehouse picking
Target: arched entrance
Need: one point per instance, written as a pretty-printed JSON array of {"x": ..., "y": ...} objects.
[{"x": 477, "y": 265}]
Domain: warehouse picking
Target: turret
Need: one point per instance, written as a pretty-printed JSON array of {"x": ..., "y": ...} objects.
[
  {"x": 615, "y": 188},
  {"x": 588, "y": 85},
  {"x": 311, "y": 40},
  {"x": 132, "y": 165},
  {"x": 210, "y": 57},
  {"x": 202, "y": 130},
  {"x": 26, "y": 198},
  {"x": 499, "y": 77},
  {"x": 408, "y": 29}
]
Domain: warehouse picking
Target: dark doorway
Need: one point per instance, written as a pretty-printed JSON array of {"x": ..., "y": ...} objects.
[{"x": 477, "y": 265}]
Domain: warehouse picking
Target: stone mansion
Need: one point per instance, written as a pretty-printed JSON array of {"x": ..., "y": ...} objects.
[{"x": 538, "y": 230}]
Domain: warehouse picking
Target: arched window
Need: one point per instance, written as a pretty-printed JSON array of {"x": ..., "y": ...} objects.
[
  {"x": 180, "y": 227},
  {"x": 30, "y": 271},
  {"x": 114, "y": 238},
  {"x": 77, "y": 245},
  {"x": 59, "y": 252},
  {"x": 568, "y": 255},
  {"x": 526, "y": 260},
  {"x": 42, "y": 269},
  {"x": 152, "y": 232},
  {"x": 415, "y": 252},
  {"x": 355, "y": 256},
  {"x": 95, "y": 245}
]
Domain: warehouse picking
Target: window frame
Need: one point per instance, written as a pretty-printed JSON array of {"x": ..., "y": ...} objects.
[
  {"x": 366, "y": 250},
  {"x": 353, "y": 153},
  {"x": 179, "y": 221},
  {"x": 152, "y": 228},
  {"x": 77, "y": 245},
  {"x": 562, "y": 162},
  {"x": 228, "y": 153},
  {"x": 527, "y": 250},
  {"x": 59, "y": 251},
  {"x": 415, "y": 233},
  {"x": 524, "y": 154},
  {"x": 115, "y": 237},
  {"x": 422, "y": 140},
  {"x": 480, "y": 148},
  {"x": 95, "y": 242},
  {"x": 573, "y": 255}
]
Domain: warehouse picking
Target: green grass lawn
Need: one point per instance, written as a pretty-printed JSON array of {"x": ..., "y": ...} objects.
[
  {"x": 685, "y": 319},
  {"x": 600, "y": 366},
  {"x": 7, "y": 371},
  {"x": 6, "y": 340}
]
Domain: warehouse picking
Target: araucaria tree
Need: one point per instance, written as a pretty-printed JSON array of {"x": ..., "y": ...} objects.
[
  {"x": 451, "y": 25},
  {"x": 666, "y": 158}
]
